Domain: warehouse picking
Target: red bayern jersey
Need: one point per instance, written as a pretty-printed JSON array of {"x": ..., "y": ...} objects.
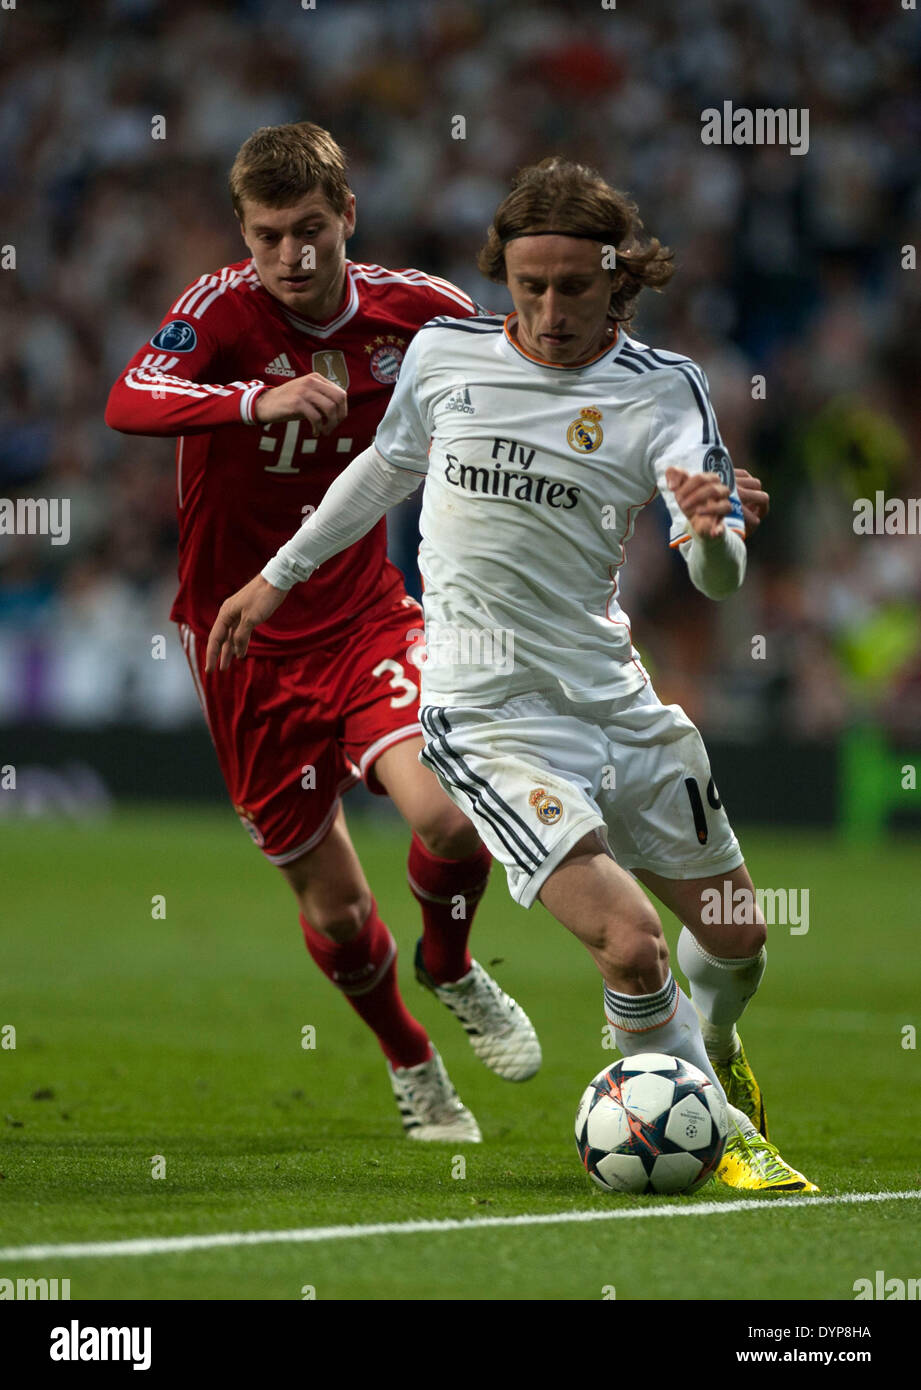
[{"x": 243, "y": 488}]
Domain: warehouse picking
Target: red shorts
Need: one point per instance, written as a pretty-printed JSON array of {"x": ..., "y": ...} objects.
[{"x": 291, "y": 735}]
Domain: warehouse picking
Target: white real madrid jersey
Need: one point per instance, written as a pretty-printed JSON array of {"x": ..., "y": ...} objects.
[{"x": 534, "y": 476}]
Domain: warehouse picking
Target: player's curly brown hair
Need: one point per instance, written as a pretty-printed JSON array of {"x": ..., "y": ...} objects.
[
  {"x": 279, "y": 164},
  {"x": 559, "y": 195}
]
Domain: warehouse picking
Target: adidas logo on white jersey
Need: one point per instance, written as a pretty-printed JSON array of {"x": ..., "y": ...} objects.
[
  {"x": 459, "y": 399},
  {"x": 279, "y": 366}
]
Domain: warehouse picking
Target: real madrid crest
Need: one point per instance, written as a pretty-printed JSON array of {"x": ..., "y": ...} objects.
[
  {"x": 585, "y": 434},
  {"x": 549, "y": 808}
]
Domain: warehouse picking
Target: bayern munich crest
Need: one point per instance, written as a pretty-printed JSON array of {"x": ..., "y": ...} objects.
[
  {"x": 385, "y": 363},
  {"x": 549, "y": 808},
  {"x": 585, "y": 434},
  {"x": 250, "y": 826}
]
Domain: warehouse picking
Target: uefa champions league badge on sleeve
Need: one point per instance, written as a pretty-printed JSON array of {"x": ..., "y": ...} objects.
[
  {"x": 176, "y": 336},
  {"x": 717, "y": 460}
]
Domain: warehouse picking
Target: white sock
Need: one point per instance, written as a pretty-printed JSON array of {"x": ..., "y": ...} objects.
[
  {"x": 742, "y": 1122},
  {"x": 662, "y": 1022},
  {"x": 720, "y": 988}
]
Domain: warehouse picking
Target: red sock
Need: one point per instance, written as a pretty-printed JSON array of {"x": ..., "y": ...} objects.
[
  {"x": 365, "y": 970},
  {"x": 437, "y": 885}
]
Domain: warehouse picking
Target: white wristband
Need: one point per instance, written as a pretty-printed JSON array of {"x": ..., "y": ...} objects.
[
  {"x": 283, "y": 574},
  {"x": 717, "y": 570}
]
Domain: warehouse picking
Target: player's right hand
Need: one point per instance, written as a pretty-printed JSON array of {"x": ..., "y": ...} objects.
[
  {"x": 239, "y": 614},
  {"x": 704, "y": 499},
  {"x": 313, "y": 397}
]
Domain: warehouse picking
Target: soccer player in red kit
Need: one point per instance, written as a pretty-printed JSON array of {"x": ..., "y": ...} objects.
[{"x": 272, "y": 373}]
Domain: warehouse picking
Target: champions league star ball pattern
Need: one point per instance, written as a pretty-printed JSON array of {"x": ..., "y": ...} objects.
[{"x": 651, "y": 1123}]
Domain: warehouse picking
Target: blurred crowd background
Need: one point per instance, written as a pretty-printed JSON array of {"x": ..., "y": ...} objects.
[{"x": 789, "y": 268}]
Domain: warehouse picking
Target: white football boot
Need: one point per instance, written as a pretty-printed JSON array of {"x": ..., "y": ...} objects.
[
  {"x": 429, "y": 1106},
  {"x": 500, "y": 1032}
]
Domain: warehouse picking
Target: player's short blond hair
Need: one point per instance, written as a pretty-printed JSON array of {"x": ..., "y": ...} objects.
[
  {"x": 558, "y": 195},
  {"x": 279, "y": 164}
]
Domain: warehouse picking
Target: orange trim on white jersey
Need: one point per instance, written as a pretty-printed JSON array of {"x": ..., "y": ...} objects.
[
  {"x": 543, "y": 362},
  {"x": 622, "y": 622},
  {"x": 612, "y": 571},
  {"x": 743, "y": 533}
]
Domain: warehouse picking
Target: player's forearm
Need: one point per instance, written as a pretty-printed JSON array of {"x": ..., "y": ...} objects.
[
  {"x": 353, "y": 503},
  {"x": 717, "y": 568},
  {"x": 144, "y": 401}
]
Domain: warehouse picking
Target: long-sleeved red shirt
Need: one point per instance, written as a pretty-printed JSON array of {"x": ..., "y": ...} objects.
[{"x": 243, "y": 488}]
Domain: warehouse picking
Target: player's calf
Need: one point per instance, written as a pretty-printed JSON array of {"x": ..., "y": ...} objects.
[
  {"x": 448, "y": 892},
  {"x": 721, "y": 951},
  {"x": 330, "y": 886},
  {"x": 724, "y": 975}
]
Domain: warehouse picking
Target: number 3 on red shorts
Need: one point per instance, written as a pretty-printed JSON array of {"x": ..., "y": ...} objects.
[{"x": 408, "y": 693}]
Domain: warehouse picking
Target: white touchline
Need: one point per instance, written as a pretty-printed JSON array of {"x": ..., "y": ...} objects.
[{"x": 170, "y": 1245}]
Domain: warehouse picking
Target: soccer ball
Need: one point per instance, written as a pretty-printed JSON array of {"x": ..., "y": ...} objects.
[{"x": 651, "y": 1123}]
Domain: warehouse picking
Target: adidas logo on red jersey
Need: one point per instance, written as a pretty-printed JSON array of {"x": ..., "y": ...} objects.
[{"x": 279, "y": 366}]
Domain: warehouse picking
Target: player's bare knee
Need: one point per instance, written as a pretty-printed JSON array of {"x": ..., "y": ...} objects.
[
  {"x": 340, "y": 920},
  {"x": 636, "y": 957},
  {"x": 338, "y": 911},
  {"x": 448, "y": 834},
  {"x": 726, "y": 918},
  {"x": 747, "y": 940},
  {"x": 746, "y": 932}
]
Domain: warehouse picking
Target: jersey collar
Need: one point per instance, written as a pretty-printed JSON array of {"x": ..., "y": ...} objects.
[
  {"x": 611, "y": 348},
  {"x": 326, "y": 330}
]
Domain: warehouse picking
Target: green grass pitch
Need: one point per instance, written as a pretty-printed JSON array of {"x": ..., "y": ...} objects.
[{"x": 174, "y": 1043}]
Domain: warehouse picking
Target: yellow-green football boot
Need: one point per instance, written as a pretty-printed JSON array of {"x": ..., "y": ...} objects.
[
  {"x": 750, "y": 1163},
  {"x": 742, "y": 1090}
]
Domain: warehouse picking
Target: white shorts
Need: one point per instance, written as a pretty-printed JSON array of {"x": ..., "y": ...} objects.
[{"x": 539, "y": 772}]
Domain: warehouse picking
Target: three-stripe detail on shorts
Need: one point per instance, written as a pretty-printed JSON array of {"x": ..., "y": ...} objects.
[{"x": 523, "y": 845}]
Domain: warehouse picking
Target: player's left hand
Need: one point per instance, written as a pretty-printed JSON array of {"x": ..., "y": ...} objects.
[
  {"x": 239, "y": 614},
  {"x": 756, "y": 503},
  {"x": 703, "y": 498}
]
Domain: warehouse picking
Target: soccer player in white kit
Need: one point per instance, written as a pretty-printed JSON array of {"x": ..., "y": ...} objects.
[{"x": 540, "y": 436}]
